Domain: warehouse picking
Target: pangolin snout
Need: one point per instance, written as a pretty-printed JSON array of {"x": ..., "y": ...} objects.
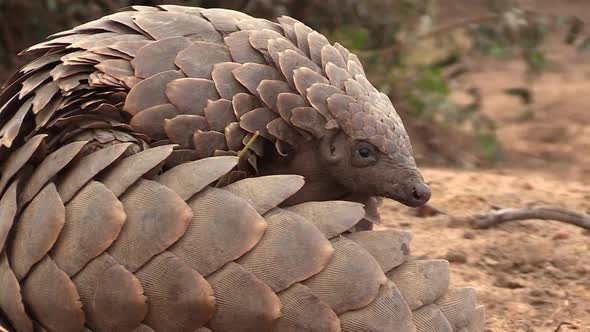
[
  {"x": 418, "y": 194},
  {"x": 411, "y": 191}
]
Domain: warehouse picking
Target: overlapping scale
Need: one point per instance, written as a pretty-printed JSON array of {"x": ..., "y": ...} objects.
[{"x": 127, "y": 242}]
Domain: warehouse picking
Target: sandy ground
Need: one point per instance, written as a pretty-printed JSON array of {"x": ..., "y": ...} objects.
[{"x": 532, "y": 275}]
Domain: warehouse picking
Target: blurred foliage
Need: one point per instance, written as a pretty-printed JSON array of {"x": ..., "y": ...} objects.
[
  {"x": 410, "y": 51},
  {"x": 419, "y": 64}
]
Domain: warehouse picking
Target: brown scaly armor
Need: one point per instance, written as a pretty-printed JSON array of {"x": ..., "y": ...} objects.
[{"x": 125, "y": 206}]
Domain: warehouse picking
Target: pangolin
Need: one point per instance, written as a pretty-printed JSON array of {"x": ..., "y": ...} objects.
[{"x": 152, "y": 179}]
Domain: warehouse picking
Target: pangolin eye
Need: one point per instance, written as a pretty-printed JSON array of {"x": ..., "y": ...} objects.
[{"x": 364, "y": 152}]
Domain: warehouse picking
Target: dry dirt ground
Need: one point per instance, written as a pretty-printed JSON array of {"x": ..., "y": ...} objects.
[{"x": 532, "y": 275}]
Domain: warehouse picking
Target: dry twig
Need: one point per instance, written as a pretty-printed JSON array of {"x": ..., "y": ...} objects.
[
  {"x": 496, "y": 217},
  {"x": 249, "y": 144}
]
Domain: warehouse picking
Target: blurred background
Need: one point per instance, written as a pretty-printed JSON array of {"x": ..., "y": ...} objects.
[{"x": 495, "y": 95}]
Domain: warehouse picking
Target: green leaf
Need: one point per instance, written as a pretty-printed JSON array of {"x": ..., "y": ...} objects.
[
  {"x": 498, "y": 51},
  {"x": 352, "y": 37},
  {"x": 535, "y": 59},
  {"x": 490, "y": 146},
  {"x": 432, "y": 80}
]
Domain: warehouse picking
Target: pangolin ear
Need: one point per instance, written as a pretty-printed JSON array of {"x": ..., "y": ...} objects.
[{"x": 333, "y": 146}]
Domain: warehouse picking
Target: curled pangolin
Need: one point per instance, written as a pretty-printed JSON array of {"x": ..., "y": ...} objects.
[{"x": 136, "y": 197}]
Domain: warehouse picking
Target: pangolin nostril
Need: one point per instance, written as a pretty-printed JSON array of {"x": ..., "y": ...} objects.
[
  {"x": 421, "y": 193},
  {"x": 416, "y": 194}
]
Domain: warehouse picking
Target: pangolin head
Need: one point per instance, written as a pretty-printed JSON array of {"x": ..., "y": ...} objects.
[
  {"x": 363, "y": 141},
  {"x": 368, "y": 147}
]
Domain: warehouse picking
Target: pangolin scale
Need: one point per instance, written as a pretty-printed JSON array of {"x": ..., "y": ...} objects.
[{"x": 152, "y": 167}]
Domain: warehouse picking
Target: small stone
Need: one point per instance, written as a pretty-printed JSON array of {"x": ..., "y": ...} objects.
[
  {"x": 526, "y": 268},
  {"x": 538, "y": 302},
  {"x": 490, "y": 261},
  {"x": 456, "y": 256},
  {"x": 561, "y": 236},
  {"x": 569, "y": 326},
  {"x": 469, "y": 235},
  {"x": 506, "y": 282},
  {"x": 425, "y": 211},
  {"x": 556, "y": 293},
  {"x": 520, "y": 308}
]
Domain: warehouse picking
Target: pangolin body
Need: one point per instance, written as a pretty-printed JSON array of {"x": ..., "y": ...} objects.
[{"x": 120, "y": 209}]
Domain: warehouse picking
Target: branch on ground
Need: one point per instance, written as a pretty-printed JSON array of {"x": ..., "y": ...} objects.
[{"x": 496, "y": 217}]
